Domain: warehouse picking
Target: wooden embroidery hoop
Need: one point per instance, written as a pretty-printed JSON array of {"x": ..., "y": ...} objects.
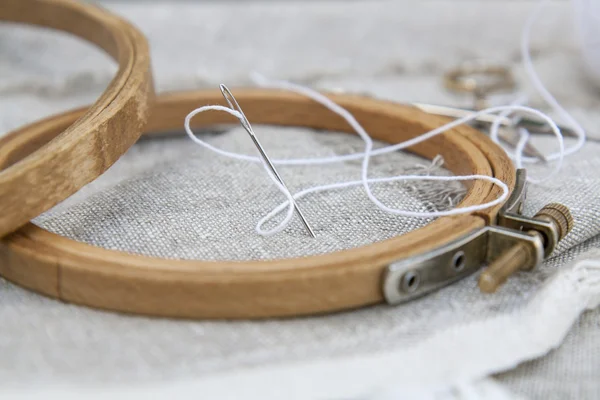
[
  {"x": 87, "y": 146},
  {"x": 83, "y": 274}
]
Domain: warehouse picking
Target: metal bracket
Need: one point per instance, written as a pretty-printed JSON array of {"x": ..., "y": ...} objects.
[
  {"x": 416, "y": 276},
  {"x": 510, "y": 216}
]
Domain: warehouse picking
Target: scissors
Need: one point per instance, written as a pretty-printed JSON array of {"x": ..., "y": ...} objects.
[{"x": 481, "y": 79}]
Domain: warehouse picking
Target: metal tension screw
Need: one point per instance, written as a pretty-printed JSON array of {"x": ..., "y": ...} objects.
[{"x": 517, "y": 256}]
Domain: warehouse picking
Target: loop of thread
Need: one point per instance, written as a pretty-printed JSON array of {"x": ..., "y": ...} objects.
[
  {"x": 366, "y": 155},
  {"x": 548, "y": 98},
  {"x": 368, "y": 152}
]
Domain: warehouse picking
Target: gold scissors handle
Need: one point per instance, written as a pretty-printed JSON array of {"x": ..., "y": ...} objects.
[{"x": 479, "y": 78}]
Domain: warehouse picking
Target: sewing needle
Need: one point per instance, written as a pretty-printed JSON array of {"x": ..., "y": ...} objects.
[{"x": 233, "y": 104}]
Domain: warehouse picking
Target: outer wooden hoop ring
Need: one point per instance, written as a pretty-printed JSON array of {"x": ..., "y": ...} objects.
[
  {"x": 92, "y": 143},
  {"x": 83, "y": 274}
]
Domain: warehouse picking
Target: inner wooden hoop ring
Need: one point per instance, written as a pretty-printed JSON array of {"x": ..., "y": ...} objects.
[
  {"x": 113, "y": 280},
  {"x": 90, "y": 144}
]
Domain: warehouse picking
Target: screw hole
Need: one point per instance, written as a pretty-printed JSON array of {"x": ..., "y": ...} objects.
[
  {"x": 458, "y": 261},
  {"x": 410, "y": 281}
]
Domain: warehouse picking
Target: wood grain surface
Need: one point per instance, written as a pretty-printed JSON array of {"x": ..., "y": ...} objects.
[
  {"x": 83, "y": 274},
  {"x": 33, "y": 183}
]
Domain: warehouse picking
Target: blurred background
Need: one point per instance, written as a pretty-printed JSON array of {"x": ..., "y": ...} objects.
[{"x": 397, "y": 49}]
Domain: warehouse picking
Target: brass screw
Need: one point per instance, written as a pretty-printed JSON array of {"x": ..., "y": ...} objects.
[
  {"x": 559, "y": 215},
  {"x": 517, "y": 256}
]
